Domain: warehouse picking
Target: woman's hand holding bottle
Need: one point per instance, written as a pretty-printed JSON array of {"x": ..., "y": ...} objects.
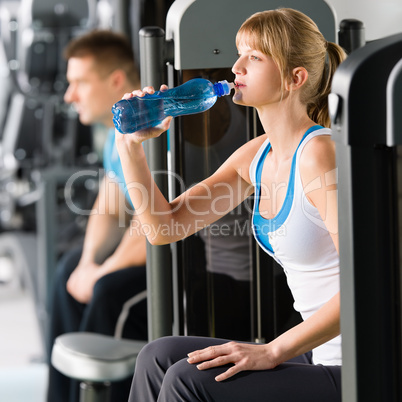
[
  {"x": 142, "y": 135},
  {"x": 147, "y": 108}
]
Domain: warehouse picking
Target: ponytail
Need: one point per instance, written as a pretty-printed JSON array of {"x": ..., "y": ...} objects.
[{"x": 318, "y": 109}]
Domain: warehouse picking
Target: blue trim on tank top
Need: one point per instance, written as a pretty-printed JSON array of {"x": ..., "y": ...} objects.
[{"x": 271, "y": 225}]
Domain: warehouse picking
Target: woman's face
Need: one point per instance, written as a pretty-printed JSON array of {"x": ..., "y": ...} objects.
[{"x": 257, "y": 78}]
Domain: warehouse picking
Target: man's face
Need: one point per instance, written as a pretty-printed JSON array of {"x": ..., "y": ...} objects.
[{"x": 91, "y": 94}]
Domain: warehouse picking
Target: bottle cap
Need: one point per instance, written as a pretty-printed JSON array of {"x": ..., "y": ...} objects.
[{"x": 223, "y": 87}]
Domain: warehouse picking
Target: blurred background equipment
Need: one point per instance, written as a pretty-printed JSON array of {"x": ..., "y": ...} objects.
[{"x": 42, "y": 143}]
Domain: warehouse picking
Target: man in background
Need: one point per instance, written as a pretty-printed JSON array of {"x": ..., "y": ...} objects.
[{"x": 92, "y": 283}]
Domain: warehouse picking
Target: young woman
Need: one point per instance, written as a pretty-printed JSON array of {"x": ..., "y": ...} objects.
[{"x": 284, "y": 70}]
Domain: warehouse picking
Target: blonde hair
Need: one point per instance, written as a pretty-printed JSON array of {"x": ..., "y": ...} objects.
[{"x": 293, "y": 40}]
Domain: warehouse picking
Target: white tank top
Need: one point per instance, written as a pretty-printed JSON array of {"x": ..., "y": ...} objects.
[{"x": 299, "y": 241}]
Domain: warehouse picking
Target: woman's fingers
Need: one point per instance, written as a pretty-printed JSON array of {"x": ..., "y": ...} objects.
[
  {"x": 143, "y": 135},
  {"x": 209, "y": 353},
  {"x": 140, "y": 92},
  {"x": 216, "y": 356},
  {"x": 240, "y": 356},
  {"x": 228, "y": 373},
  {"x": 225, "y": 354},
  {"x": 165, "y": 123},
  {"x": 148, "y": 90},
  {"x": 218, "y": 361},
  {"x": 222, "y": 361}
]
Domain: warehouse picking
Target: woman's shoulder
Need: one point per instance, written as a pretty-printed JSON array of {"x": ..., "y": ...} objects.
[
  {"x": 318, "y": 157},
  {"x": 247, "y": 152},
  {"x": 320, "y": 146},
  {"x": 250, "y": 148},
  {"x": 242, "y": 158}
]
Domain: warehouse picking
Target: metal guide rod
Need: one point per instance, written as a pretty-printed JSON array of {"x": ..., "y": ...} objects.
[
  {"x": 351, "y": 35},
  {"x": 159, "y": 276},
  {"x": 394, "y": 138},
  {"x": 394, "y": 102}
]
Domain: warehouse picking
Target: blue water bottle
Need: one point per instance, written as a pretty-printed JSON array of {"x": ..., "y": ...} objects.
[{"x": 194, "y": 96}]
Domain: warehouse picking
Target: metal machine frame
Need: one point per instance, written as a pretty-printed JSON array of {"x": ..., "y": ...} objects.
[{"x": 368, "y": 224}]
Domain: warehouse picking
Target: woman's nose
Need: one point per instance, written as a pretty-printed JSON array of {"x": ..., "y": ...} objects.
[{"x": 237, "y": 68}]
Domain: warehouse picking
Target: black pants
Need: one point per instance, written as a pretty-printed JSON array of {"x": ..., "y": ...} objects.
[
  {"x": 163, "y": 374},
  {"x": 99, "y": 316}
]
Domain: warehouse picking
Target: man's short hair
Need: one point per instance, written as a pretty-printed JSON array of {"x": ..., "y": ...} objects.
[{"x": 110, "y": 50}]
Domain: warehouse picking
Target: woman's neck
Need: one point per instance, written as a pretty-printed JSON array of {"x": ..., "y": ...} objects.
[{"x": 285, "y": 128}]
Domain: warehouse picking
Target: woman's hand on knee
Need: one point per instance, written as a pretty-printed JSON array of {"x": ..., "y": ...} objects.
[{"x": 242, "y": 356}]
